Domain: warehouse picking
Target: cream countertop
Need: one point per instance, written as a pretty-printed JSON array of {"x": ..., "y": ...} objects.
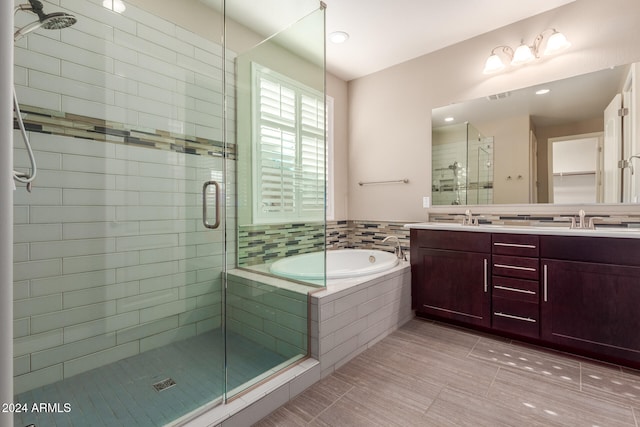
[{"x": 618, "y": 232}]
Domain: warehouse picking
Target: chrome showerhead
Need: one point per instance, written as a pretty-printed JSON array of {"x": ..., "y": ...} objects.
[
  {"x": 51, "y": 21},
  {"x": 57, "y": 21}
]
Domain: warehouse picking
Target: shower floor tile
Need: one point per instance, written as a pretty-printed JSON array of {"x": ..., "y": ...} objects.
[{"x": 122, "y": 393}]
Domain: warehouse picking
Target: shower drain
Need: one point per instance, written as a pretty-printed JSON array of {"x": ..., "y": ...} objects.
[{"x": 164, "y": 384}]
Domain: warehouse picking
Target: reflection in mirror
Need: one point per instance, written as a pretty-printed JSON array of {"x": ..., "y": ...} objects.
[
  {"x": 523, "y": 122},
  {"x": 462, "y": 170},
  {"x": 576, "y": 163}
]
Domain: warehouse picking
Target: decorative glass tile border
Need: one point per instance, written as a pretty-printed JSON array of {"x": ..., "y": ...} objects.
[
  {"x": 561, "y": 220},
  {"x": 59, "y": 123},
  {"x": 259, "y": 244},
  {"x": 370, "y": 234}
]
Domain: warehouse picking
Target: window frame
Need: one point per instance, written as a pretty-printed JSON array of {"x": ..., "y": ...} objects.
[{"x": 259, "y": 72}]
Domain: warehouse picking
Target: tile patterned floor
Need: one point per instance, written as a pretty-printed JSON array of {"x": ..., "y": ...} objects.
[
  {"x": 431, "y": 374},
  {"x": 121, "y": 394}
]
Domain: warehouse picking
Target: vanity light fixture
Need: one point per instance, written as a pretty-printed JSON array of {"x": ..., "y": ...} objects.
[
  {"x": 543, "y": 91},
  {"x": 338, "y": 37},
  {"x": 555, "y": 42},
  {"x": 448, "y": 119}
]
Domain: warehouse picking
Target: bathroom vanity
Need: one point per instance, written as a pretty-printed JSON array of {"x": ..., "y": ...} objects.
[{"x": 575, "y": 290}]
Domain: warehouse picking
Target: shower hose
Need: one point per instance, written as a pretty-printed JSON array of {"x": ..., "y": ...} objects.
[{"x": 22, "y": 177}]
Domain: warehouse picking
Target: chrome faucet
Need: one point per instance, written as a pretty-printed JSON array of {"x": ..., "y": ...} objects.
[
  {"x": 581, "y": 223},
  {"x": 398, "y": 250},
  {"x": 581, "y": 215},
  {"x": 468, "y": 218}
]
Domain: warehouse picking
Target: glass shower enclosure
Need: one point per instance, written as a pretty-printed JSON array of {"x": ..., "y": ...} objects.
[{"x": 141, "y": 116}]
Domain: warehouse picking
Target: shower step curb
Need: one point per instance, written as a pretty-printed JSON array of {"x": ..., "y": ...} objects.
[{"x": 251, "y": 407}]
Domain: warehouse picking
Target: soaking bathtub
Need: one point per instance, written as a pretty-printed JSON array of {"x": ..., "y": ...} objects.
[{"x": 343, "y": 263}]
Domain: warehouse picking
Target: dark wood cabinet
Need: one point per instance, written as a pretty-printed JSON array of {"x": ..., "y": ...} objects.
[
  {"x": 452, "y": 281},
  {"x": 593, "y": 306},
  {"x": 574, "y": 293}
]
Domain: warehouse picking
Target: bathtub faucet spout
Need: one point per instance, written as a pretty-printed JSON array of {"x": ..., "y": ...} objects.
[{"x": 398, "y": 251}]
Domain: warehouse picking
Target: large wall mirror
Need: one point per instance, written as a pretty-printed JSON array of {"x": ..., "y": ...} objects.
[{"x": 568, "y": 141}]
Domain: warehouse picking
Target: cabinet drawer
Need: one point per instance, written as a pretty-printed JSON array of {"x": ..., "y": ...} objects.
[
  {"x": 451, "y": 240},
  {"x": 515, "y": 244},
  {"x": 588, "y": 249},
  {"x": 520, "y": 267},
  {"x": 517, "y": 317},
  {"x": 516, "y": 289}
]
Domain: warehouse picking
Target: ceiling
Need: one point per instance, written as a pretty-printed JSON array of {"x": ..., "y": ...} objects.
[{"x": 384, "y": 33}]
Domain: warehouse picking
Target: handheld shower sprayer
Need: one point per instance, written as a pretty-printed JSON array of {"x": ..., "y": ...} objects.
[{"x": 51, "y": 21}]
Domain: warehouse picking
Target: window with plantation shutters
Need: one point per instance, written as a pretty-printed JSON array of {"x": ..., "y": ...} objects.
[{"x": 289, "y": 149}]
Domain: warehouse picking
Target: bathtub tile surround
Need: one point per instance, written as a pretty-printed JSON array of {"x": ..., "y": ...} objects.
[
  {"x": 338, "y": 233},
  {"x": 274, "y": 315},
  {"x": 370, "y": 234},
  {"x": 353, "y": 314},
  {"x": 259, "y": 244}
]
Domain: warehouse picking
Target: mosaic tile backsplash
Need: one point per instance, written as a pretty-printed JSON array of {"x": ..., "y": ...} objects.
[
  {"x": 259, "y": 244},
  {"x": 560, "y": 220}
]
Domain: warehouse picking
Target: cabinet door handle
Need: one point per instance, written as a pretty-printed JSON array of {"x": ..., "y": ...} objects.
[
  {"x": 514, "y": 267},
  {"x": 544, "y": 282},
  {"x": 486, "y": 272},
  {"x": 511, "y": 316},
  {"x": 506, "y": 288},
  {"x": 514, "y": 245}
]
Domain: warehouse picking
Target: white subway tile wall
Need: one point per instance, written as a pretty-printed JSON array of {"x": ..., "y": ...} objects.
[
  {"x": 111, "y": 258},
  {"x": 106, "y": 269},
  {"x": 134, "y": 69}
]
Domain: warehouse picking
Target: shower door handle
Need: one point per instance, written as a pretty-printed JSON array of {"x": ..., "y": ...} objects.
[{"x": 205, "y": 219}]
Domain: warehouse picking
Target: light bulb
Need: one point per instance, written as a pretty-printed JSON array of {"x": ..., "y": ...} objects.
[
  {"x": 522, "y": 55},
  {"x": 557, "y": 43},
  {"x": 493, "y": 64}
]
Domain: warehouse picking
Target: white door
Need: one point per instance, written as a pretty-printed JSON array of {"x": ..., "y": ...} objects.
[
  {"x": 630, "y": 102},
  {"x": 612, "y": 153}
]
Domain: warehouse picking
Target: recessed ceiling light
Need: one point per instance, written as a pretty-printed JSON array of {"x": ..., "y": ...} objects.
[
  {"x": 542, "y": 91},
  {"x": 448, "y": 119},
  {"x": 338, "y": 37}
]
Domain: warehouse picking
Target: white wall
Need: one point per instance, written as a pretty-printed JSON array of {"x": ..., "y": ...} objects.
[
  {"x": 338, "y": 89},
  {"x": 390, "y": 111}
]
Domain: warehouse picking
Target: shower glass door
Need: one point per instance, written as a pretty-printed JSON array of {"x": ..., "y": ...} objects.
[
  {"x": 279, "y": 131},
  {"x": 118, "y": 293}
]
